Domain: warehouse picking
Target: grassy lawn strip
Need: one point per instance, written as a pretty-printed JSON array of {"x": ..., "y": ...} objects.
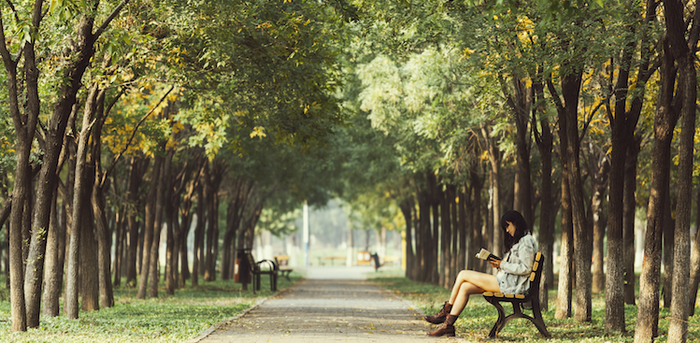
[
  {"x": 176, "y": 318},
  {"x": 478, "y": 318}
]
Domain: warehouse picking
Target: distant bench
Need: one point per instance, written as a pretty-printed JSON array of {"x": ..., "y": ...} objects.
[
  {"x": 335, "y": 258},
  {"x": 283, "y": 265},
  {"x": 390, "y": 259},
  {"x": 264, "y": 267}
]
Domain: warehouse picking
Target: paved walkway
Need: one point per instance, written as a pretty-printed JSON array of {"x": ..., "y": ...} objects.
[{"x": 329, "y": 305}]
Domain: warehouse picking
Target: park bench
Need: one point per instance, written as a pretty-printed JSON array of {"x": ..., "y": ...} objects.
[
  {"x": 283, "y": 265},
  {"x": 264, "y": 267},
  {"x": 390, "y": 260},
  {"x": 520, "y": 301},
  {"x": 332, "y": 259}
]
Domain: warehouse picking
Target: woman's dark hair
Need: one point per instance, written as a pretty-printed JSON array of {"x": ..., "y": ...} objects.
[{"x": 521, "y": 228}]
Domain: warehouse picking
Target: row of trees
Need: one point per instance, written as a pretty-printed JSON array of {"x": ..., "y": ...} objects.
[
  {"x": 450, "y": 112},
  {"x": 187, "y": 108},
  {"x": 565, "y": 111}
]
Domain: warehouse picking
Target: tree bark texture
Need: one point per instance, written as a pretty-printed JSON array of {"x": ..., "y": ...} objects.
[
  {"x": 475, "y": 239},
  {"x": 628, "y": 213},
  {"x": 445, "y": 236},
  {"x": 565, "y": 285},
  {"x": 520, "y": 103},
  {"x": 571, "y": 85},
  {"x": 494, "y": 178},
  {"x": 462, "y": 222},
  {"x": 53, "y": 271},
  {"x": 89, "y": 270},
  {"x": 99, "y": 203},
  {"x": 25, "y": 125},
  {"x": 667, "y": 250},
  {"x": 695, "y": 261},
  {"x": 74, "y": 261},
  {"x": 136, "y": 170},
  {"x": 160, "y": 184},
  {"x": 664, "y": 122},
  {"x": 600, "y": 185},
  {"x": 149, "y": 220},
  {"x": 687, "y": 92},
  {"x": 407, "y": 207},
  {"x": 545, "y": 142}
]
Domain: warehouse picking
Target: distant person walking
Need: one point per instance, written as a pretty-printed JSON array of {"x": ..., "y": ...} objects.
[{"x": 512, "y": 277}]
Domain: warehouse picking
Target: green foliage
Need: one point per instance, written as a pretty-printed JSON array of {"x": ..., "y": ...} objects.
[{"x": 261, "y": 64}]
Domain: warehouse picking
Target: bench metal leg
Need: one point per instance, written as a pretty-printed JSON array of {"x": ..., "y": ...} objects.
[
  {"x": 517, "y": 313},
  {"x": 538, "y": 320},
  {"x": 500, "y": 322}
]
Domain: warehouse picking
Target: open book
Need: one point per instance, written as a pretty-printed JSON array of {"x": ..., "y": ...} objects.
[{"x": 487, "y": 255}]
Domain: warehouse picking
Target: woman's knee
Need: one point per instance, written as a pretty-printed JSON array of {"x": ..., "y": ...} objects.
[
  {"x": 468, "y": 274},
  {"x": 469, "y": 288}
]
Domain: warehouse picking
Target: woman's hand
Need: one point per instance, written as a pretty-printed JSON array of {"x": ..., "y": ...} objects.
[{"x": 495, "y": 263}]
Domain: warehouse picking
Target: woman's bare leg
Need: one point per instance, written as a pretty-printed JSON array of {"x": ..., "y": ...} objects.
[{"x": 470, "y": 282}]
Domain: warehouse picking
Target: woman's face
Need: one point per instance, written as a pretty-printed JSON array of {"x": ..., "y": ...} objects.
[{"x": 510, "y": 228}]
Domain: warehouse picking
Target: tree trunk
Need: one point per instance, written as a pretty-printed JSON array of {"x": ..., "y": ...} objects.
[
  {"x": 99, "y": 204},
  {"x": 475, "y": 238},
  {"x": 455, "y": 233},
  {"x": 445, "y": 235},
  {"x": 567, "y": 229},
  {"x": 25, "y": 126},
  {"x": 170, "y": 255},
  {"x": 228, "y": 251},
  {"x": 695, "y": 260},
  {"x": 186, "y": 220},
  {"x": 406, "y": 207},
  {"x": 53, "y": 272},
  {"x": 79, "y": 219},
  {"x": 136, "y": 172},
  {"x": 89, "y": 279},
  {"x": 149, "y": 220},
  {"x": 600, "y": 185},
  {"x": 565, "y": 285},
  {"x": 621, "y": 199},
  {"x": 462, "y": 222},
  {"x": 687, "y": 92},
  {"x": 520, "y": 105},
  {"x": 664, "y": 122},
  {"x": 434, "y": 271},
  {"x": 153, "y": 269},
  {"x": 571, "y": 85},
  {"x": 118, "y": 269},
  {"x": 667, "y": 260},
  {"x": 495, "y": 190},
  {"x": 545, "y": 141},
  {"x": 199, "y": 237},
  {"x": 630, "y": 206},
  {"x": 424, "y": 244}
]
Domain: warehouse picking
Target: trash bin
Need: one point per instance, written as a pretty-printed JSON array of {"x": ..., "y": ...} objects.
[
  {"x": 364, "y": 258},
  {"x": 242, "y": 268}
]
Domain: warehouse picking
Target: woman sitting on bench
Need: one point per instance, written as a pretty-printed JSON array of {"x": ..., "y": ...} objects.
[{"x": 512, "y": 277}]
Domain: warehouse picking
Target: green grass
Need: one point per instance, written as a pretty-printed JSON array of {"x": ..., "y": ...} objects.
[
  {"x": 478, "y": 318},
  {"x": 176, "y": 318}
]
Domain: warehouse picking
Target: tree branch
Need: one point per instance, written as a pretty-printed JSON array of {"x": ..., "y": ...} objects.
[
  {"x": 109, "y": 19},
  {"x": 133, "y": 133}
]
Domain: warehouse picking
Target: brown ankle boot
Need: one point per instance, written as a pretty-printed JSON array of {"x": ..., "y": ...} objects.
[
  {"x": 446, "y": 329},
  {"x": 439, "y": 318}
]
